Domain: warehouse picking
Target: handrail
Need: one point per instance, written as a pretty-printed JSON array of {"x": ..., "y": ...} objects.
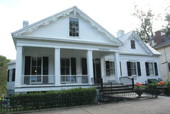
[{"x": 126, "y": 83}]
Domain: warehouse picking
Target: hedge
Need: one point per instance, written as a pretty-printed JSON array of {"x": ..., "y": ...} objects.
[{"x": 78, "y": 96}]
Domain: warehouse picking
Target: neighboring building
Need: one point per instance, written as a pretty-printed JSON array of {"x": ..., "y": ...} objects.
[
  {"x": 162, "y": 45},
  {"x": 69, "y": 50}
]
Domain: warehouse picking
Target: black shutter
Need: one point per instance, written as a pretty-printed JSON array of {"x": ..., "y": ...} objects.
[
  {"x": 147, "y": 68},
  {"x": 84, "y": 66},
  {"x": 73, "y": 66},
  {"x": 27, "y": 65},
  {"x": 45, "y": 70},
  {"x": 156, "y": 69},
  {"x": 107, "y": 68},
  {"x": 8, "y": 76},
  {"x": 120, "y": 68},
  {"x": 128, "y": 69},
  {"x": 139, "y": 70},
  {"x": 27, "y": 69},
  {"x": 13, "y": 74}
]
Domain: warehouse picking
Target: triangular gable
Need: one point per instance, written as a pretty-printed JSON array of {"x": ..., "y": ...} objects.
[
  {"x": 133, "y": 36},
  {"x": 53, "y": 18}
]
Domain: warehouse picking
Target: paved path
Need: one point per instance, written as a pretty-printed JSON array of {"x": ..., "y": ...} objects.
[{"x": 151, "y": 106}]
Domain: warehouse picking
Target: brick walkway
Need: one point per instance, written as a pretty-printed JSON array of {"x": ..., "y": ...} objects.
[{"x": 150, "y": 106}]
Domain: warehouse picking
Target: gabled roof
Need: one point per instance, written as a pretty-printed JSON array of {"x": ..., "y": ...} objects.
[
  {"x": 133, "y": 34},
  {"x": 55, "y": 17}
]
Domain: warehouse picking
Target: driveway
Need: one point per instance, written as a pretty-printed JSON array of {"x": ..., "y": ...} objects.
[{"x": 150, "y": 106}]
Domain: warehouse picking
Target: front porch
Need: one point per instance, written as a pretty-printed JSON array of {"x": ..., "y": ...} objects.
[{"x": 55, "y": 67}]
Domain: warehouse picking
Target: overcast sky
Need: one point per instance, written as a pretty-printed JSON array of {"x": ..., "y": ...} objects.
[{"x": 113, "y": 15}]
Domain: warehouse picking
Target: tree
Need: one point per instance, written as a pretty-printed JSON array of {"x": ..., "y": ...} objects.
[
  {"x": 145, "y": 31},
  {"x": 166, "y": 29},
  {"x": 3, "y": 74}
]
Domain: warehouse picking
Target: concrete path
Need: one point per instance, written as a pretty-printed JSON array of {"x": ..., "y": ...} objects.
[{"x": 150, "y": 106}]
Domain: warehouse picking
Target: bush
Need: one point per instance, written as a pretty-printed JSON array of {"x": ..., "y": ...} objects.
[{"x": 52, "y": 99}]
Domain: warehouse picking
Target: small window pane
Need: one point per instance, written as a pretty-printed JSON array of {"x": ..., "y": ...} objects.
[{"x": 74, "y": 27}]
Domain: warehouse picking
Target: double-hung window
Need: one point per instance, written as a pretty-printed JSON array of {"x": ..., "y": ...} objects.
[
  {"x": 68, "y": 70},
  {"x": 73, "y": 27},
  {"x": 36, "y": 70},
  {"x": 151, "y": 68},
  {"x": 133, "y": 68},
  {"x": 110, "y": 68},
  {"x": 133, "y": 46}
]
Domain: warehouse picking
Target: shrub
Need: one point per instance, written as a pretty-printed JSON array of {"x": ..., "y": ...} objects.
[{"x": 52, "y": 99}]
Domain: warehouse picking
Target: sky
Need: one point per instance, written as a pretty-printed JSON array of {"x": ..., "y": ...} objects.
[{"x": 113, "y": 15}]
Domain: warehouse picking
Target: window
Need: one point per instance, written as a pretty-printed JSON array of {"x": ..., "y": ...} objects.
[
  {"x": 36, "y": 70},
  {"x": 133, "y": 68},
  {"x": 68, "y": 66},
  {"x": 151, "y": 68},
  {"x": 65, "y": 66},
  {"x": 133, "y": 44},
  {"x": 84, "y": 66},
  {"x": 73, "y": 27},
  {"x": 13, "y": 74},
  {"x": 110, "y": 68}
]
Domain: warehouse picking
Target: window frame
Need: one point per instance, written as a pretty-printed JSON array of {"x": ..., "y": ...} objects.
[
  {"x": 133, "y": 69},
  {"x": 133, "y": 45},
  {"x": 72, "y": 30},
  {"x": 34, "y": 77},
  {"x": 155, "y": 71},
  {"x": 110, "y": 70}
]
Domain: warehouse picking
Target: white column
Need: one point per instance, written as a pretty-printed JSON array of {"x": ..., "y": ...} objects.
[
  {"x": 57, "y": 66},
  {"x": 18, "y": 74},
  {"x": 90, "y": 66},
  {"x": 103, "y": 69},
  {"x": 117, "y": 66}
]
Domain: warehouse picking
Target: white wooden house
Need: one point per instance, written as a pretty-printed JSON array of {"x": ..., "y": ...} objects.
[{"x": 69, "y": 50}]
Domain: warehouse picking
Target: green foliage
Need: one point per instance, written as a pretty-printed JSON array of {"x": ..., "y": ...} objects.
[
  {"x": 3, "y": 75},
  {"x": 166, "y": 29},
  {"x": 145, "y": 31},
  {"x": 52, "y": 99}
]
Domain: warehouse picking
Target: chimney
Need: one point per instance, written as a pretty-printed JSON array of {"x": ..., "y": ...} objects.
[
  {"x": 25, "y": 24},
  {"x": 158, "y": 37},
  {"x": 120, "y": 33}
]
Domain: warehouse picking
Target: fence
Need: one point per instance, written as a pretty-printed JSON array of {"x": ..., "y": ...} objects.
[{"x": 48, "y": 100}]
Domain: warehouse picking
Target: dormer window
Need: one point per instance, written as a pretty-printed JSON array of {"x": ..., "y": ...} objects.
[
  {"x": 73, "y": 27},
  {"x": 133, "y": 44}
]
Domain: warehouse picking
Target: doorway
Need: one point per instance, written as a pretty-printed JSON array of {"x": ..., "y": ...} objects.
[{"x": 97, "y": 70}]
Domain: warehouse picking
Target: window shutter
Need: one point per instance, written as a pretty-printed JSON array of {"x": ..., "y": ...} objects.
[
  {"x": 107, "y": 68},
  {"x": 73, "y": 66},
  {"x": 45, "y": 70},
  {"x": 8, "y": 76},
  {"x": 84, "y": 66},
  {"x": 120, "y": 68},
  {"x": 139, "y": 70},
  {"x": 13, "y": 74},
  {"x": 147, "y": 68},
  {"x": 27, "y": 69},
  {"x": 156, "y": 69},
  {"x": 27, "y": 65},
  {"x": 128, "y": 69}
]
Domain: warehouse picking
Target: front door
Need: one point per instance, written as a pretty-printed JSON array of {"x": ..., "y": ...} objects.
[{"x": 97, "y": 70}]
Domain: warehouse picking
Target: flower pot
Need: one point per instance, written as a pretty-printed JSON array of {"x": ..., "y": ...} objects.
[{"x": 139, "y": 92}]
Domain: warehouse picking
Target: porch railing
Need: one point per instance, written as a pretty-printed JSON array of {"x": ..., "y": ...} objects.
[
  {"x": 38, "y": 79},
  {"x": 65, "y": 79}
]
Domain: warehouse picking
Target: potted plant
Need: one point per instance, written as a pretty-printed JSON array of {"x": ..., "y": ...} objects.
[{"x": 139, "y": 89}]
